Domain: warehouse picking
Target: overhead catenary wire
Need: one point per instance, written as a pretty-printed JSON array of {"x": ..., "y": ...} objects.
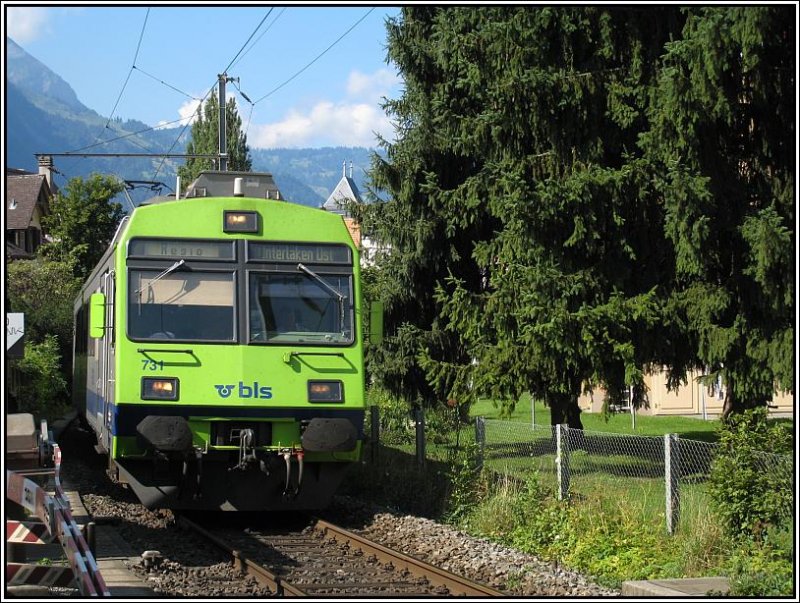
[
  {"x": 129, "y": 134},
  {"x": 233, "y": 60},
  {"x": 319, "y": 56},
  {"x": 170, "y": 86},
  {"x": 200, "y": 105},
  {"x": 244, "y": 54},
  {"x": 127, "y": 79},
  {"x": 183, "y": 130},
  {"x": 239, "y": 55}
]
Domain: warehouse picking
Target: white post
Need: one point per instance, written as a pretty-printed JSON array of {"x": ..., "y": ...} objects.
[
  {"x": 562, "y": 461},
  {"x": 671, "y": 473},
  {"x": 703, "y": 400}
]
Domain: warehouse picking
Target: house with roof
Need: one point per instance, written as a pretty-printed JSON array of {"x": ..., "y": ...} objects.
[
  {"x": 27, "y": 198},
  {"x": 346, "y": 191}
]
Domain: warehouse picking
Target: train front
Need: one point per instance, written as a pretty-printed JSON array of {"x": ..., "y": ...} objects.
[{"x": 239, "y": 361}]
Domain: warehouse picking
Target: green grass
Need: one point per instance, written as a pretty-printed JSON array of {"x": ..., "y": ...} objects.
[
  {"x": 685, "y": 427},
  {"x": 613, "y": 526}
]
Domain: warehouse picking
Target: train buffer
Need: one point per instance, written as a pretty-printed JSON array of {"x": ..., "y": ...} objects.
[{"x": 32, "y": 456}]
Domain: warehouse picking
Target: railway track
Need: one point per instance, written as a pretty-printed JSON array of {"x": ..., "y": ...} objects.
[{"x": 321, "y": 559}]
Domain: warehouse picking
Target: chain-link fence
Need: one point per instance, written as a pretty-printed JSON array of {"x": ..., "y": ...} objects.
[{"x": 658, "y": 478}]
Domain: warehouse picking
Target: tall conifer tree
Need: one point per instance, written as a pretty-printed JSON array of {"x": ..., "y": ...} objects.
[
  {"x": 723, "y": 147},
  {"x": 522, "y": 217},
  {"x": 561, "y": 198},
  {"x": 205, "y": 141}
]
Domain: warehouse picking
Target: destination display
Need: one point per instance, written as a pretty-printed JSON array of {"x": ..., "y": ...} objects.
[
  {"x": 298, "y": 252},
  {"x": 181, "y": 249}
]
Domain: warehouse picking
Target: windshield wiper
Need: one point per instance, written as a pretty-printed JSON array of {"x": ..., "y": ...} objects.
[
  {"x": 340, "y": 298},
  {"x": 169, "y": 270}
]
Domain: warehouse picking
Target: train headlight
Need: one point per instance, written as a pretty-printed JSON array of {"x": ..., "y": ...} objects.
[
  {"x": 154, "y": 388},
  {"x": 240, "y": 221},
  {"x": 325, "y": 391}
]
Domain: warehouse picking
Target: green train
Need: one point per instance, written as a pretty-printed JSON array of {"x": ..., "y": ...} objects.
[{"x": 218, "y": 354}]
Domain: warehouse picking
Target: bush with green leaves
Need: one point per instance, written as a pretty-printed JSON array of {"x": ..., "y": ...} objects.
[
  {"x": 468, "y": 483},
  {"x": 766, "y": 568},
  {"x": 43, "y": 389},
  {"x": 753, "y": 489},
  {"x": 397, "y": 424}
]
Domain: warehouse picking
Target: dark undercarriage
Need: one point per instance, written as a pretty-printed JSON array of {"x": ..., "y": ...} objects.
[{"x": 215, "y": 485}]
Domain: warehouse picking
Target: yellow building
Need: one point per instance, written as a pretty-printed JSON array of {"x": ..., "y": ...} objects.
[{"x": 689, "y": 399}]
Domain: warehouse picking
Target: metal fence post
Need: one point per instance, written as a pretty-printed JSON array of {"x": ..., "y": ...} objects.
[
  {"x": 562, "y": 461},
  {"x": 671, "y": 474},
  {"x": 419, "y": 418},
  {"x": 480, "y": 439},
  {"x": 374, "y": 431}
]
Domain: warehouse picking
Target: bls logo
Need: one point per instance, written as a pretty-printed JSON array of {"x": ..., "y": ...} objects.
[{"x": 245, "y": 391}]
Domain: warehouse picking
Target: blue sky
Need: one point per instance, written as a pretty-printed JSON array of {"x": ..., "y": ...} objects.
[{"x": 334, "y": 101}]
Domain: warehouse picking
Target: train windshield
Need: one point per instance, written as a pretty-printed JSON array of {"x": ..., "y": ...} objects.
[
  {"x": 302, "y": 307},
  {"x": 181, "y": 304}
]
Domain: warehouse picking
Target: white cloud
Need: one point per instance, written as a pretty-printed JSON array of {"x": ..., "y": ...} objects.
[
  {"x": 371, "y": 87},
  {"x": 188, "y": 112},
  {"x": 351, "y": 122},
  {"x": 326, "y": 124},
  {"x": 26, "y": 24}
]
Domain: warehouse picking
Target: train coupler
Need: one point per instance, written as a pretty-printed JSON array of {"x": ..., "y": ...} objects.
[
  {"x": 247, "y": 450},
  {"x": 287, "y": 454}
]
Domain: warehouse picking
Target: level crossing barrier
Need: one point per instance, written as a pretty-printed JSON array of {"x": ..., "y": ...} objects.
[{"x": 55, "y": 524}]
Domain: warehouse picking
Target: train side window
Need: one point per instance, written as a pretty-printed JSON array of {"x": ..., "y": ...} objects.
[{"x": 81, "y": 330}]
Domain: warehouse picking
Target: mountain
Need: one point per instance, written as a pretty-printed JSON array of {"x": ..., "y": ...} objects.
[
  {"x": 44, "y": 115},
  {"x": 36, "y": 81},
  {"x": 319, "y": 170}
]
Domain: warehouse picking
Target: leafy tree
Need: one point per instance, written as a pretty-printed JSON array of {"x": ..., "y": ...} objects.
[
  {"x": 205, "y": 141},
  {"x": 44, "y": 291},
  {"x": 723, "y": 148},
  {"x": 83, "y": 221},
  {"x": 525, "y": 234}
]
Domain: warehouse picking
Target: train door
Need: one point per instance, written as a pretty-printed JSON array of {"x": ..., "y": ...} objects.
[{"x": 106, "y": 355}]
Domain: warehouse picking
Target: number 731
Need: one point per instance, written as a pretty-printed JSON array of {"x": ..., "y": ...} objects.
[{"x": 152, "y": 365}]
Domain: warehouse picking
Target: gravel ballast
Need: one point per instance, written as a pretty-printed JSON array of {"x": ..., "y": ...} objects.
[{"x": 186, "y": 566}]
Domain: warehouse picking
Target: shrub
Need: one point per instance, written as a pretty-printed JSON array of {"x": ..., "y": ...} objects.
[
  {"x": 468, "y": 485},
  {"x": 752, "y": 490},
  {"x": 397, "y": 424},
  {"x": 43, "y": 389},
  {"x": 765, "y": 568},
  {"x": 44, "y": 291}
]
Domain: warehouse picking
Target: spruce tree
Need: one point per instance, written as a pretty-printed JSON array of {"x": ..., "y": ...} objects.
[
  {"x": 579, "y": 195},
  {"x": 524, "y": 230},
  {"x": 723, "y": 151},
  {"x": 205, "y": 141}
]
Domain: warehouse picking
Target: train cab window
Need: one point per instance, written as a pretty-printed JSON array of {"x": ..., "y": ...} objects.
[
  {"x": 300, "y": 308},
  {"x": 181, "y": 305}
]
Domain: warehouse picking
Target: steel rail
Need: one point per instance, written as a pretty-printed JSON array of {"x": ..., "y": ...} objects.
[
  {"x": 242, "y": 563},
  {"x": 436, "y": 577},
  {"x": 457, "y": 585}
]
